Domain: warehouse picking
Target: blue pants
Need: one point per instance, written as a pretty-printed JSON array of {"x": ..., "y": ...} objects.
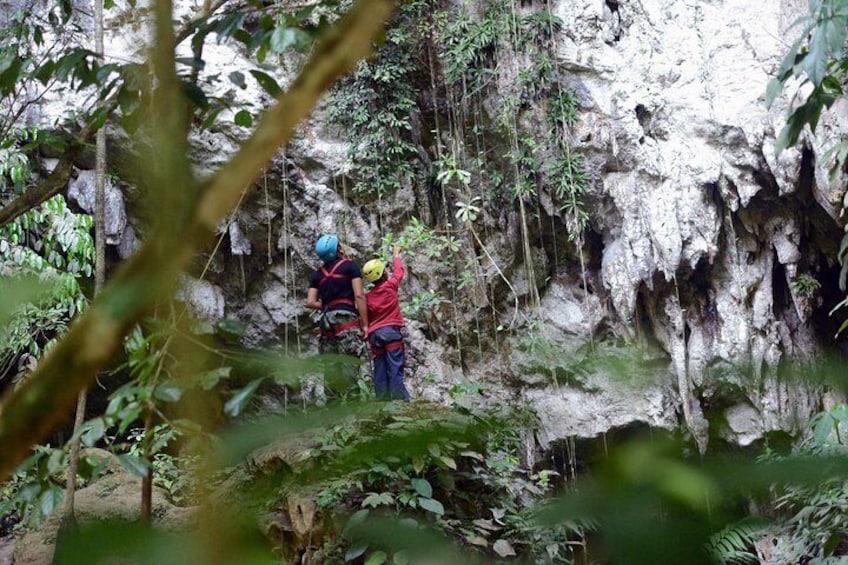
[{"x": 389, "y": 359}]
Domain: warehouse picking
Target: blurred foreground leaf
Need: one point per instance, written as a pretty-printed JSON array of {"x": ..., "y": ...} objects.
[
  {"x": 18, "y": 290},
  {"x": 652, "y": 506}
]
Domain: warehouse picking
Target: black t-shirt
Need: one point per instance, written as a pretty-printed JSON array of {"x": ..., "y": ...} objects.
[{"x": 335, "y": 288}]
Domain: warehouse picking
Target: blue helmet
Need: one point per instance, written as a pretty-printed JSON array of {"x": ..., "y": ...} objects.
[{"x": 327, "y": 247}]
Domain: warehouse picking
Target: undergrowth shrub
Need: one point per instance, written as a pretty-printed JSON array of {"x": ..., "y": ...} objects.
[{"x": 474, "y": 490}]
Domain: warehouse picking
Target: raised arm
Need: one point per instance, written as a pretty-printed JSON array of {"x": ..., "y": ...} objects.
[{"x": 398, "y": 270}]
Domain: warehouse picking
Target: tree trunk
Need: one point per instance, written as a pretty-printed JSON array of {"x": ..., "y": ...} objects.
[
  {"x": 68, "y": 523},
  {"x": 147, "y": 480}
]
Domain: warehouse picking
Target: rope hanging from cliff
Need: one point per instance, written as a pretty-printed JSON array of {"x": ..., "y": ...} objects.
[{"x": 289, "y": 290}]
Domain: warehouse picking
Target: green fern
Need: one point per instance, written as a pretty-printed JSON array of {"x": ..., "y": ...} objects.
[{"x": 733, "y": 545}]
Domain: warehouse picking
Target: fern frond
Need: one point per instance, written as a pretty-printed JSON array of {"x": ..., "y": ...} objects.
[{"x": 734, "y": 545}]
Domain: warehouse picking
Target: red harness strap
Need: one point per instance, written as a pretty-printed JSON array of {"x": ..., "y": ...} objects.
[
  {"x": 332, "y": 274},
  {"x": 337, "y": 301},
  {"x": 341, "y": 328},
  {"x": 378, "y": 351}
]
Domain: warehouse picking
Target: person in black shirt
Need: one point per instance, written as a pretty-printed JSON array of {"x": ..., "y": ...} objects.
[{"x": 335, "y": 289}]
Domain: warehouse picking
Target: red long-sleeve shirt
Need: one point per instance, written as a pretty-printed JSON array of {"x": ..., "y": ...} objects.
[{"x": 383, "y": 304}]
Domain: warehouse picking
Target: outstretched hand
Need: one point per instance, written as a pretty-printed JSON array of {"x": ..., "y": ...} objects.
[{"x": 396, "y": 250}]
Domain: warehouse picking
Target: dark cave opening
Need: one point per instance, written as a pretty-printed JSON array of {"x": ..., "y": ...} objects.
[
  {"x": 824, "y": 323},
  {"x": 573, "y": 457},
  {"x": 782, "y": 298}
]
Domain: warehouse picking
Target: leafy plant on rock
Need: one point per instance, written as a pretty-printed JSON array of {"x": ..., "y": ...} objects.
[
  {"x": 468, "y": 45},
  {"x": 819, "y": 60},
  {"x": 473, "y": 489},
  {"x": 806, "y": 286},
  {"x": 35, "y": 489},
  {"x": 375, "y": 106},
  {"x": 55, "y": 245},
  {"x": 814, "y": 521}
]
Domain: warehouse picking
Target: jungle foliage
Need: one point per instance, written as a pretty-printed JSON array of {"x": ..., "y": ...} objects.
[{"x": 391, "y": 482}]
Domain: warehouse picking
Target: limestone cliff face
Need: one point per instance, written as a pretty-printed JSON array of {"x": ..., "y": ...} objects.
[
  {"x": 704, "y": 233},
  {"x": 697, "y": 239}
]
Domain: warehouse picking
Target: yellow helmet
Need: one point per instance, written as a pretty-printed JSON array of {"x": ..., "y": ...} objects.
[{"x": 373, "y": 270}]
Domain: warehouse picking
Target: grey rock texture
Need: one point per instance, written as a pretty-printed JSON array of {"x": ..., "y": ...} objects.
[
  {"x": 696, "y": 224},
  {"x": 697, "y": 239},
  {"x": 205, "y": 298},
  {"x": 81, "y": 190},
  {"x": 675, "y": 110}
]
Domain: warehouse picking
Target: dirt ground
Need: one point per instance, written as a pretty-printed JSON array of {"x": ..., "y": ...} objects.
[{"x": 7, "y": 547}]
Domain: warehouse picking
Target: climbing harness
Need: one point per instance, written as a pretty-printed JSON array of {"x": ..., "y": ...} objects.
[
  {"x": 329, "y": 330},
  {"x": 378, "y": 351},
  {"x": 332, "y": 274}
]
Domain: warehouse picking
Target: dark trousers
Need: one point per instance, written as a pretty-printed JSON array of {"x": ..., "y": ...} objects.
[{"x": 389, "y": 359}]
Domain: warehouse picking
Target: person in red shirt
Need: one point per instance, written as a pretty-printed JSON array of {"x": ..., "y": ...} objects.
[{"x": 385, "y": 321}]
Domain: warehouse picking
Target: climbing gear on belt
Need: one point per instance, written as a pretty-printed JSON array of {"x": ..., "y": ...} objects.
[
  {"x": 327, "y": 247},
  {"x": 373, "y": 270},
  {"x": 328, "y": 330}
]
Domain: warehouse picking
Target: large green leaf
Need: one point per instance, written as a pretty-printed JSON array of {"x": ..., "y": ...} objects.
[
  {"x": 377, "y": 558},
  {"x": 285, "y": 37},
  {"x": 93, "y": 431},
  {"x": 431, "y": 505},
  {"x": 239, "y": 400},
  {"x": 243, "y": 118},
  {"x": 356, "y": 520},
  {"x": 422, "y": 487},
  {"x": 210, "y": 379},
  {"x": 167, "y": 393},
  {"x": 773, "y": 90},
  {"x": 196, "y": 95},
  {"x": 67, "y": 64},
  {"x": 50, "y": 499},
  {"x": 356, "y": 550},
  {"x": 135, "y": 465},
  {"x": 815, "y": 63},
  {"x": 267, "y": 83},
  {"x": 9, "y": 77}
]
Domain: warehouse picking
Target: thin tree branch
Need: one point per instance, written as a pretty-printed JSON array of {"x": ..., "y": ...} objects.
[
  {"x": 207, "y": 11},
  {"x": 56, "y": 182},
  {"x": 52, "y": 185},
  {"x": 28, "y": 414}
]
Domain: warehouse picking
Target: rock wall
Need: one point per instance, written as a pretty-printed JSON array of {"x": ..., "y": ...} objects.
[
  {"x": 692, "y": 256},
  {"x": 704, "y": 231}
]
